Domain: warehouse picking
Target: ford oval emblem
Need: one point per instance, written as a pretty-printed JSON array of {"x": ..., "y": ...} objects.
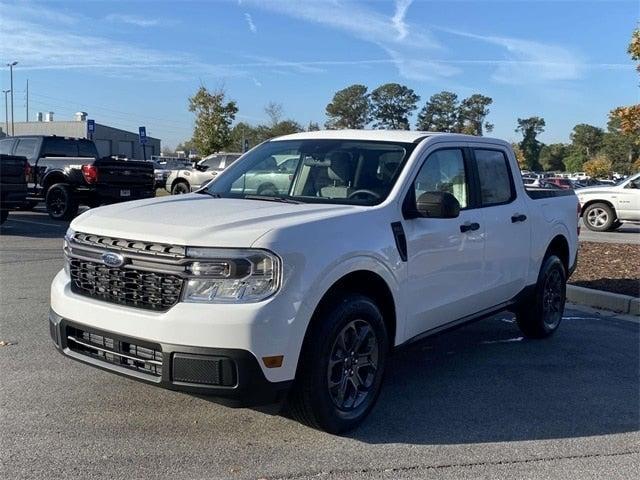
[{"x": 112, "y": 259}]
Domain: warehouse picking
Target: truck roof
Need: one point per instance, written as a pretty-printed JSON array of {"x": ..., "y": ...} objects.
[{"x": 404, "y": 136}]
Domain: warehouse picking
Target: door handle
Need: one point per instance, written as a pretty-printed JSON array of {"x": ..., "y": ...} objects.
[
  {"x": 466, "y": 227},
  {"x": 518, "y": 218}
]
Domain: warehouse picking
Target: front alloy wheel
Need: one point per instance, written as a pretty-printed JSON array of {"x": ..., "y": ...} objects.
[
  {"x": 353, "y": 365},
  {"x": 341, "y": 366}
]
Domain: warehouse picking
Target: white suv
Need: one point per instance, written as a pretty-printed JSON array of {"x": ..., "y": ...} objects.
[{"x": 379, "y": 238}]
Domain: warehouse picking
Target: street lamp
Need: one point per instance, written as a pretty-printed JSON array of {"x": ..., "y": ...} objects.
[
  {"x": 11, "y": 65},
  {"x": 6, "y": 111}
]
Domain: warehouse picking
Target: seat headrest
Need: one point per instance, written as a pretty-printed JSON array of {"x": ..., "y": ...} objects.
[{"x": 340, "y": 167}]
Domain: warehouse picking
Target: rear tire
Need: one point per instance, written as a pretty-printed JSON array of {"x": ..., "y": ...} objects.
[
  {"x": 540, "y": 315},
  {"x": 4, "y": 214},
  {"x": 61, "y": 202},
  {"x": 341, "y": 366},
  {"x": 180, "y": 188},
  {"x": 599, "y": 217}
]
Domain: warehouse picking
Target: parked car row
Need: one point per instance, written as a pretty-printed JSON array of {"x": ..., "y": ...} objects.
[{"x": 68, "y": 172}]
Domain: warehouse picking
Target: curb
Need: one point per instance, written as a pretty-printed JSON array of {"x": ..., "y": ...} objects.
[{"x": 604, "y": 300}]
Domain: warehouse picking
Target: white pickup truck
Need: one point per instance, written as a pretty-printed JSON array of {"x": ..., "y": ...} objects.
[
  {"x": 380, "y": 239},
  {"x": 605, "y": 208}
]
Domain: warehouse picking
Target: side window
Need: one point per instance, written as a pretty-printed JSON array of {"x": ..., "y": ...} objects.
[
  {"x": 213, "y": 163},
  {"x": 495, "y": 180},
  {"x": 26, "y": 147},
  {"x": 60, "y": 147},
  {"x": 6, "y": 146},
  {"x": 444, "y": 171},
  {"x": 87, "y": 149}
]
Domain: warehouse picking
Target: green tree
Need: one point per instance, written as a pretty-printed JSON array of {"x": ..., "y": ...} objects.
[
  {"x": 239, "y": 133},
  {"x": 552, "y": 157},
  {"x": 313, "y": 127},
  {"x": 440, "y": 113},
  {"x": 574, "y": 161},
  {"x": 214, "y": 116},
  {"x": 349, "y": 108},
  {"x": 587, "y": 139},
  {"x": 391, "y": 105},
  {"x": 530, "y": 128},
  {"x": 472, "y": 114}
]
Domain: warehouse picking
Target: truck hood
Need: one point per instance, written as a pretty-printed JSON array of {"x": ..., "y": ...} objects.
[
  {"x": 596, "y": 189},
  {"x": 200, "y": 220}
]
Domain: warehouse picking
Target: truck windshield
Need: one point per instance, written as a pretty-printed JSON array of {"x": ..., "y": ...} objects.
[{"x": 318, "y": 171}]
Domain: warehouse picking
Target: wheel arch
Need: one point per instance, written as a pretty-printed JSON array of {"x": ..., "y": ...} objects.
[
  {"x": 588, "y": 203},
  {"x": 180, "y": 180},
  {"x": 559, "y": 246},
  {"x": 364, "y": 282},
  {"x": 52, "y": 178}
]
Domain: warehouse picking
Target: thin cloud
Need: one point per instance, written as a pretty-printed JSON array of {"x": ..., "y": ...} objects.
[
  {"x": 134, "y": 20},
  {"x": 393, "y": 33},
  {"x": 530, "y": 61},
  {"x": 398, "y": 18},
  {"x": 250, "y": 24}
]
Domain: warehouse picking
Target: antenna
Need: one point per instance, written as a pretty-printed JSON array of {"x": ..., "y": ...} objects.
[{"x": 27, "y": 119}]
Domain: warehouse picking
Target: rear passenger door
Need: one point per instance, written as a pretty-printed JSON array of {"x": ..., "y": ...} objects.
[{"x": 507, "y": 226}]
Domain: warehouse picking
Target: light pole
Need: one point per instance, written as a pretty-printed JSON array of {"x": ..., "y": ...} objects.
[
  {"x": 11, "y": 65},
  {"x": 6, "y": 110}
]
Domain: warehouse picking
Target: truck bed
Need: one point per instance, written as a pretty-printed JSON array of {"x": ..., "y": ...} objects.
[{"x": 538, "y": 193}]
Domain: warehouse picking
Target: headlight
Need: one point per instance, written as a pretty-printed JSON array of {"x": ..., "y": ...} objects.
[
  {"x": 65, "y": 248},
  {"x": 220, "y": 275}
]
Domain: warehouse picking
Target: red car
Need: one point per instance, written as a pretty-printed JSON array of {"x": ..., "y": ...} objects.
[{"x": 560, "y": 182}]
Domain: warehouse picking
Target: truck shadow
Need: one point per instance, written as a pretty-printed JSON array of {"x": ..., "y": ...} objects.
[{"x": 484, "y": 383}]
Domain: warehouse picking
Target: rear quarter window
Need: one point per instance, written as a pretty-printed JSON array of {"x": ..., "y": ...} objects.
[{"x": 496, "y": 186}]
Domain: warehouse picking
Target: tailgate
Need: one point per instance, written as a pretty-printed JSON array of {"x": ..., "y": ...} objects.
[{"x": 121, "y": 173}]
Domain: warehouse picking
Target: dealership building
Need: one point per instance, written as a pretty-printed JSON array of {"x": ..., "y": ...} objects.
[{"x": 109, "y": 140}]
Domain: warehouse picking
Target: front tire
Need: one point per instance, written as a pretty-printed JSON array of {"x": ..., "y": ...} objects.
[
  {"x": 541, "y": 314},
  {"x": 341, "y": 366},
  {"x": 599, "y": 217},
  {"x": 180, "y": 188},
  {"x": 61, "y": 202}
]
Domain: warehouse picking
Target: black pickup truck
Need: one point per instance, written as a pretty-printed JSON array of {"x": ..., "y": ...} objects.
[
  {"x": 67, "y": 172},
  {"x": 13, "y": 184}
]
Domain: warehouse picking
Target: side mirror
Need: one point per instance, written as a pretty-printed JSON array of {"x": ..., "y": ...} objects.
[{"x": 437, "y": 205}]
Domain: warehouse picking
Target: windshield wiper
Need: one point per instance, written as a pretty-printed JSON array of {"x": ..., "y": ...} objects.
[
  {"x": 270, "y": 198},
  {"x": 211, "y": 194}
]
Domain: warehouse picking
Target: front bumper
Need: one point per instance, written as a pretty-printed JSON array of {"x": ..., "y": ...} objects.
[{"x": 231, "y": 374}]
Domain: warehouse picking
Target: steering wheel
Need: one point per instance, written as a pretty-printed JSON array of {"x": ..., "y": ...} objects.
[{"x": 376, "y": 196}]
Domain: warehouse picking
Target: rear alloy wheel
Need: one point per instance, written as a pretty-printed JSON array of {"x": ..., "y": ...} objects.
[
  {"x": 341, "y": 365},
  {"x": 180, "y": 188},
  {"x": 599, "y": 217},
  {"x": 61, "y": 202},
  {"x": 540, "y": 315}
]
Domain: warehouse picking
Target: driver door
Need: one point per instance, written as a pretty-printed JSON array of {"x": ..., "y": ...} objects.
[{"x": 445, "y": 255}]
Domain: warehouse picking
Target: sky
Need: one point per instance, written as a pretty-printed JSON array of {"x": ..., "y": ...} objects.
[{"x": 131, "y": 63}]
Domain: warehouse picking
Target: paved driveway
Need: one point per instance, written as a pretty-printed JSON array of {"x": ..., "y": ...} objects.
[
  {"x": 627, "y": 233},
  {"x": 476, "y": 402}
]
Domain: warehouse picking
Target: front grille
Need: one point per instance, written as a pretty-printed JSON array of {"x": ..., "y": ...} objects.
[
  {"x": 131, "y": 246},
  {"x": 125, "y": 286},
  {"x": 145, "y": 359}
]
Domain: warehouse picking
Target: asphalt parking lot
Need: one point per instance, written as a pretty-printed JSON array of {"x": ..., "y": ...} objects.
[
  {"x": 478, "y": 402},
  {"x": 627, "y": 233}
]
